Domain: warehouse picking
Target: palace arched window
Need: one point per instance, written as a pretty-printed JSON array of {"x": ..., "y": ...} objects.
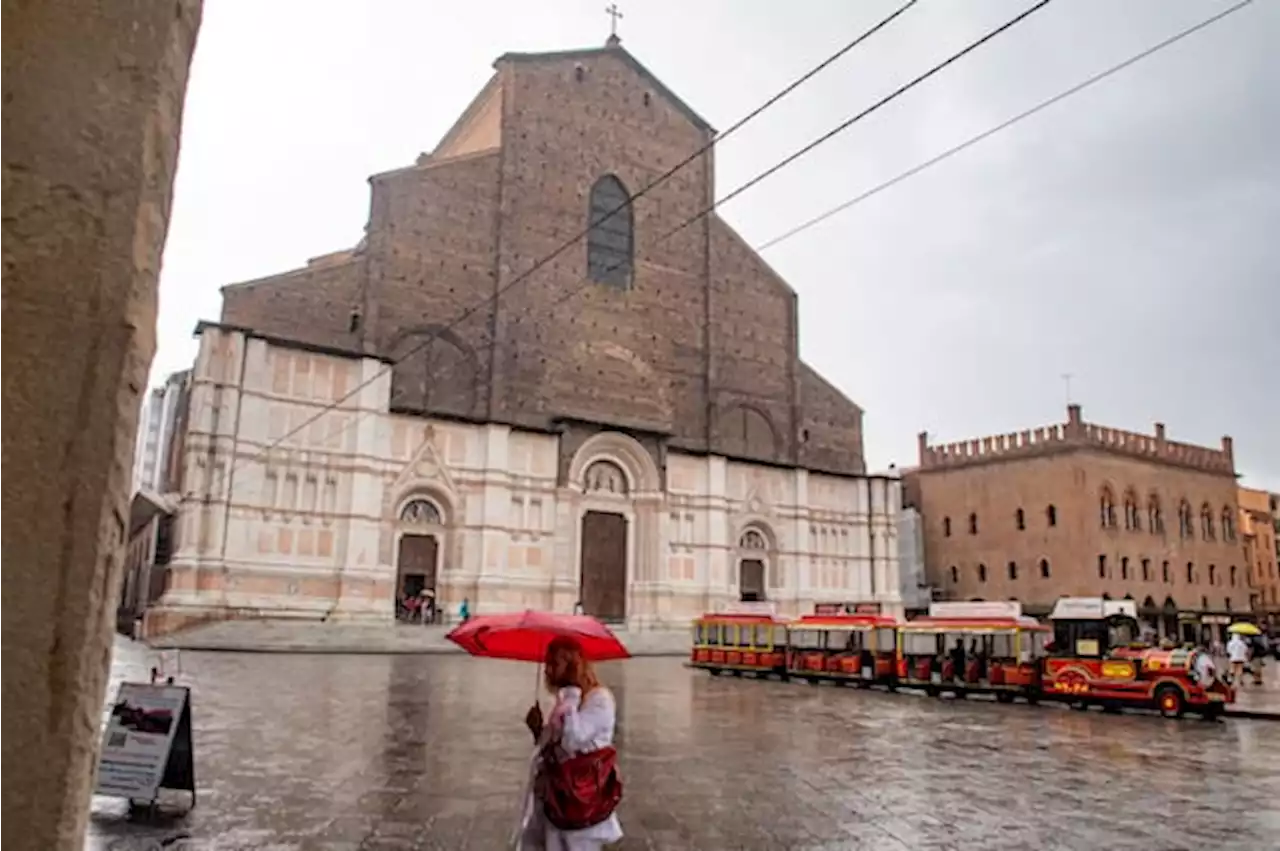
[
  {"x": 1206, "y": 522},
  {"x": 421, "y": 512},
  {"x": 1132, "y": 520},
  {"x": 1228, "y": 524},
  {"x": 611, "y": 237},
  {"x": 1155, "y": 518},
  {"x": 1186, "y": 526},
  {"x": 1107, "y": 509}
]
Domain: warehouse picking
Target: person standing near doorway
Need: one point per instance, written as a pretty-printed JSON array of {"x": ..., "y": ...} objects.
[
  {"x": 1238, "y": 655},
  {"x": 578, "y": 609},
  {"x": 464, "y": 610}
]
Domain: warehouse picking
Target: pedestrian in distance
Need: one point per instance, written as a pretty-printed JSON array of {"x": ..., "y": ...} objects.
[{"x": 1238, "y": 656}]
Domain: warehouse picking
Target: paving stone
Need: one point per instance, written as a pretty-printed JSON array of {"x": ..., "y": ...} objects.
[{"x": 428, "y": 752}]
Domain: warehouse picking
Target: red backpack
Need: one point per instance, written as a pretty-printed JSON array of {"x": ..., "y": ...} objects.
[{"x": 581, "y": 791}]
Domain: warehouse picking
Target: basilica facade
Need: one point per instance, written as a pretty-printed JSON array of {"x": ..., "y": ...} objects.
[{"x": 472, "y": 403}]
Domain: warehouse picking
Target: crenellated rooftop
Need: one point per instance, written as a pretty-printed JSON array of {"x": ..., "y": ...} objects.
[{"x": 1075, "y": 433}]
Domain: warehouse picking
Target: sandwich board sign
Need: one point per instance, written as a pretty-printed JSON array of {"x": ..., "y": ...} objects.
[{"x": 147, "y": 743}]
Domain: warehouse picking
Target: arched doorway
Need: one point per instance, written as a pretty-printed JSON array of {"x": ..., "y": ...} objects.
[
  {"x": 418, "y": 559},
  {"x": 753, "y": 559},
  {"x": 602, "y": 588}
]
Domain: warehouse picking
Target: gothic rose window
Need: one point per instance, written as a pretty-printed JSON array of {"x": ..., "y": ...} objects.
[
  {"x": 610, "y": 240},
  {"x": 421, "y": 512},
  {"x": 605, "y": 477}
]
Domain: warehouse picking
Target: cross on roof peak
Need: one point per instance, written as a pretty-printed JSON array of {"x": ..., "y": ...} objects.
[{"x": 614, "y": 16}]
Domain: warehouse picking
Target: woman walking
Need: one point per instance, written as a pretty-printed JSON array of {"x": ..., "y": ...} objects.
[{"x": 561, "y": 812}]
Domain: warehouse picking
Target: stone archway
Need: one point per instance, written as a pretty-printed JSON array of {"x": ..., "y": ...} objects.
[
  {"x": 753, "y": 557},
  {"x": 420, "y": 545}
]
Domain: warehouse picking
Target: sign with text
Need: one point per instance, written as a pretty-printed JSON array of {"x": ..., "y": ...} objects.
[{"x": 147, "y": 743}]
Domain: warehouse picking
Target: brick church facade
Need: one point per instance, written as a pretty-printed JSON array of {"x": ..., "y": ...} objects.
[{"x": 462, "y": 333}]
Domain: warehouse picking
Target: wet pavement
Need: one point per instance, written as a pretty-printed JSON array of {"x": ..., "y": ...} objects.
[{"x": 428, "y": 752}]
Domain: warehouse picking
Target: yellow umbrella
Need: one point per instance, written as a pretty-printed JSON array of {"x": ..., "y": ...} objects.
[{"x": 1244, "y": 628}]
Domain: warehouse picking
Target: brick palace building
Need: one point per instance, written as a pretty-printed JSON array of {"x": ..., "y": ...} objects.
[
  {"x": 1082, "y": 509},
  {"x": 630, "y": 426}
]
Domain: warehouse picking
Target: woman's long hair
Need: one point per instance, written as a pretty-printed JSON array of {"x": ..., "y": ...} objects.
[{"x": 566, "y": 666}]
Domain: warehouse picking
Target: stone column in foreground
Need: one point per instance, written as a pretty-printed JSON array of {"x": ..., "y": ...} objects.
[{"x": 93, "y": 96}]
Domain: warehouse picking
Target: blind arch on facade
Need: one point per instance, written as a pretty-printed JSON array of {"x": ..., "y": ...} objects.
[{"x": 611, "y": 239}]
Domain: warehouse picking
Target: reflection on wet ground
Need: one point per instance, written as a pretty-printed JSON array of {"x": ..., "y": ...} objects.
[{"x": 428, "y": 752}]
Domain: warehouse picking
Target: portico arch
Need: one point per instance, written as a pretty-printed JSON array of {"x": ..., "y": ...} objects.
[
  {"x": 756, "y": 554},
  {"x": 421, "y": 524},
  {"x": 618, "y": 488}
]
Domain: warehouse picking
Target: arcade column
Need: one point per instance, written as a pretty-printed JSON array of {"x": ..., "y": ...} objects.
[{"x": 93, "y": 98}]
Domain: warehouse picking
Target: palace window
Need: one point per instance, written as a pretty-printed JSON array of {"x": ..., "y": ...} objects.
[
  {"x": 1124, "y": 567},
  {"x": 1228, "y": 525},
  {"x": 1132, "y": 521},
  {"x": 1155, "y": 519},
  {"x": 1102, "y": 567},
  {"x": 982, "y": 573},
  {"x": 955, "y": 574},
  {"x": 1186, "y": 529},
  {"x": 1013, "y": 570},
  {"x": 946, "y": 526},
  {"x": 610, "y": 240},
  {"x": 1206, "y": 522},
  {"x": 1044, "y": 568},
  {"x": 1233, "y": 574},
  {"x": 973, "y": 524},
  {"x": 1107, "y": 509},
  {"x": 1191, "y": 572},
  {"x": 1051, "y": 515},
  {"x": 1146, "y": 570},
  {"x": 1020, "y": 518},
  {"x": 1213, "y": 574},
  {"x": 1164, "y": 572}
]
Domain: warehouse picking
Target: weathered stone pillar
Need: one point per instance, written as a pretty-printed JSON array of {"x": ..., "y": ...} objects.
[{"x": 93, "y": 95}]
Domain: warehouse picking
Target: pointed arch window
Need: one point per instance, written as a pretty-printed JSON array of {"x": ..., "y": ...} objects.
[
  {"x": 611, "y": 238},
  {"x": 1155, "y": 518},
  {"x": 1228, "y": 524},
  {"x": 1107, "y": 509},
  {"x": 1186, "y": 526},
  {"x": 1206, "y": 522},
  {"x": 1132, "y": 519}
]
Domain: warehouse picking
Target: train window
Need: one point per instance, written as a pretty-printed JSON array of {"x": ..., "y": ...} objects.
[
  {"x": 764, "y": 636},
  {"x": 919, "y": 643},
  {"x": 746, "y": 636},
  {"x": 698, "y": 633},
  {"x": 727, "y": 635},
  {"x": 886, "y": 639},
  {"x": 1001, "y": 646},
  {"x": 806, "y": 639}
]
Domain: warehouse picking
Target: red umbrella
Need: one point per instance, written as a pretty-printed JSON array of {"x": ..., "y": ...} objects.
[{"x": 524, "y": 636}]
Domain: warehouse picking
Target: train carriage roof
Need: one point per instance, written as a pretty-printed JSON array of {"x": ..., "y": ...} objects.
[
  {"x": 866, "y": 621},
  {"x": 931, "y": 624}
]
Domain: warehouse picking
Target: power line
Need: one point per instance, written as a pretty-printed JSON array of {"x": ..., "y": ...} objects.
[
  {"x": 950, "y": 152},
  {"x": 821, "y": 66},
  {"x": 570, "y": 293}
]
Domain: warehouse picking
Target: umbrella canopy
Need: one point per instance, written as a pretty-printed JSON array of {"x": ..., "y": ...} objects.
[
  {"x": 524, "y": 636},
  {"x": 1244, "y": 628}
]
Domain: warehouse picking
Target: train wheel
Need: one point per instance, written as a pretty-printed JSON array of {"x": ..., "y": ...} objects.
[
  {"x": 1004, "y": 696},
  {"x": 715, "y": 672},
  {"x": 1169, "y": 701}
]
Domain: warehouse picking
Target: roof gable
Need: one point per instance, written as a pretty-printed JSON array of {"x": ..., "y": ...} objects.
[{"x": 615, "y": 49}]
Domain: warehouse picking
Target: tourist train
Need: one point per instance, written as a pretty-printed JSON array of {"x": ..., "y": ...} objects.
[{"x": 1087, "y": 655}]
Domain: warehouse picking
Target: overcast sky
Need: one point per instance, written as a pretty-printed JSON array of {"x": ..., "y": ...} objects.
[{"x": 1129, "y": 236}]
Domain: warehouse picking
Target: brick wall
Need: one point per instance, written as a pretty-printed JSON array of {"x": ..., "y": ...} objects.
[
  {"x": 1071, "y": 482},
  {"x": 703, "y": 346}
]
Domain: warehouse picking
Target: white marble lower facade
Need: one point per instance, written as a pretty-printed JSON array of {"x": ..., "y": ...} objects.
[{"x": 303, "y": 497}]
